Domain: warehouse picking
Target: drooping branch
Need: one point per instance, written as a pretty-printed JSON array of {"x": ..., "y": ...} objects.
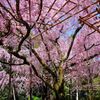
[
  {"x": 72, "y": 42},
  {"x": 50, "y": 8},
  {"x": 4, "y": 62},
  {"x": 3, "y": 7},
  {"x": 37, "y": 74},
  {"x": 8, "y": 28},
  {"x": 29, "y": 3},
  {"x": 39, "y": 14},
  {"x": 43, "y": 64},
  {"x": 10, "y": 77},
  {"x": 32, "y": 66},
  {"x": 86, "y": 59},
  {"x": 10, "y": 5},
  {"x": 60, "y": 9},
  {"x": 21, "y": 57},
  {"x": 20, "y": 19},
  {"x": 40, "y": 8},
  {"x": 46, "y": 47},
  {"x": 93, "y": 45},
  {"x": 23, "y": 39}
]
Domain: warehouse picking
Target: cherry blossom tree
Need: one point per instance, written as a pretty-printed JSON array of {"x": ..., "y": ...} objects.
[{"x": 35, "y": 46}]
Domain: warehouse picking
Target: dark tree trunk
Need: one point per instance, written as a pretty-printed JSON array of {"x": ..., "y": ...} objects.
[{"x": 60, "y": 94}]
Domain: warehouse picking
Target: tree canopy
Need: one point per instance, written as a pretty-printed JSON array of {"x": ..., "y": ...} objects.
[{"x": 50, "y": 42}]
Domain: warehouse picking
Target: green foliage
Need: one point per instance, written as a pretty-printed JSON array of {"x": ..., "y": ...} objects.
[
  {"x": 96, "y": 80},
  {"x": 66, "y": 89},
  {"x": 4, "y": 93},
  {"x": 1, "y": 34},
  {"x": 36, "y": 45},
  {"x": 97, "y": 95},
  {"x": 22, "y": 96},
  {"x": 36, "y": 98}
]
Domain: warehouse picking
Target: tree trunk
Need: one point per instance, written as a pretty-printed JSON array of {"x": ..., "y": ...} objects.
[{"x": 60, "y": 96}]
